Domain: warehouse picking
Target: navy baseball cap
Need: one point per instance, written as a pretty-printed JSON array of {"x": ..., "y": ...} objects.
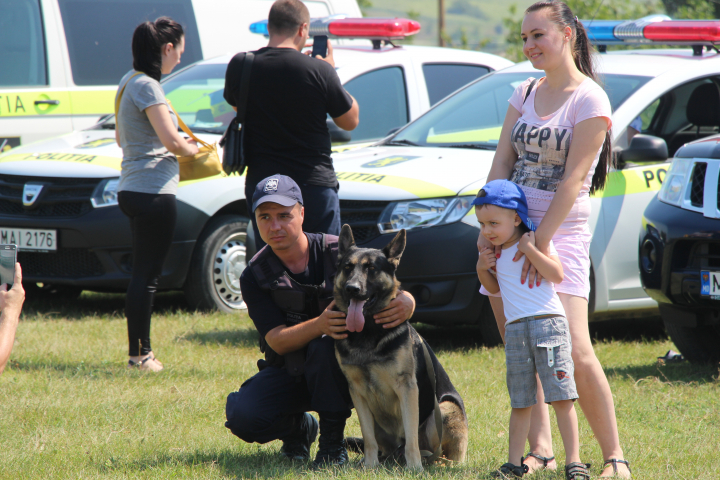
[
  {"x": 278, "y": 189},
  {"x": 506, "y": 194}
]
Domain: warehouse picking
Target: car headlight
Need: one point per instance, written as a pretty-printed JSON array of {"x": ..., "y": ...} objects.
[
  {"x": 427, "y": 212},
  {"x": 105, "y": 193},
  {"x": 674, "y": 185}
]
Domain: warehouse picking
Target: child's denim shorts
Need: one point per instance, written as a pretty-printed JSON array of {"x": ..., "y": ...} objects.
[{"x": 543, "y": 346}]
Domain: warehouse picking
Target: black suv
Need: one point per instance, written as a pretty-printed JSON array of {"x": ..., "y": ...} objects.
[{"x": 680, "y": 250}]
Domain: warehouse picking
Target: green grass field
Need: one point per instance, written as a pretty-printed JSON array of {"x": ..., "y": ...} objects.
[{"x": 69, "y": 408}]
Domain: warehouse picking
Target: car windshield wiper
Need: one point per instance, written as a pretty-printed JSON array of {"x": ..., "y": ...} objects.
[
  {"x": 107, "y": 126},
  {"x": 477, "y": 146},
  {"x": 402, "y": 142}
]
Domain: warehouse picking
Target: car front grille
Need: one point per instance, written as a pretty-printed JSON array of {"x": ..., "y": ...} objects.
[
  {"x": 697, "y": 187},
  {"x": 64, "y": 263},
  {"x": 363, "y": 217},
  {"x": 60, "y": 197},
  {"x": 704, "y": 255}
]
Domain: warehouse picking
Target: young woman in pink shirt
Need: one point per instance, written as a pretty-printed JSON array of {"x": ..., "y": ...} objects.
[{"x": 555, "y": 144}]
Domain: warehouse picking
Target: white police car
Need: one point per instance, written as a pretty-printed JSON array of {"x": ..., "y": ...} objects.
[
  {"x": 58, "y": 202},
  {"x": 61, "y": 60},
  {"x": 424, "y": 177}
]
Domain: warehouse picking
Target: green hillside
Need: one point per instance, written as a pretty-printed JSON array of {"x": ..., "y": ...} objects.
[{"x": 479, "y": 23}]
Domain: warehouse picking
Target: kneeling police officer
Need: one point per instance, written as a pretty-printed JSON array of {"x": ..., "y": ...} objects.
[{"x": 288, "y": 289}]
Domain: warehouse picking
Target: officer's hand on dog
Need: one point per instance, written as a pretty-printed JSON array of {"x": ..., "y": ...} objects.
[
  {"x": 486, "y": 259},
  {"x": 399, "y": 310},
  {"x": 332, "y": 323}
]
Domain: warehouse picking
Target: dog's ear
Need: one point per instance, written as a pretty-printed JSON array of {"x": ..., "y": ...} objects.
[
  {"x": 394, "y": 250},
  {"x": 346, "y": 240}
]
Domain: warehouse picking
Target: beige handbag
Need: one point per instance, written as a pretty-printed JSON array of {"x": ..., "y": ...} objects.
[{"x": 205, "y": 163}]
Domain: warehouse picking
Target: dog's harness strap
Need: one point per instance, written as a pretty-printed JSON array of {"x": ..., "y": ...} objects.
[{"x": 434, "y": 456}]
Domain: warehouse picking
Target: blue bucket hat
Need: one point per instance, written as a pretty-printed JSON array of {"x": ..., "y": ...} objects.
[
  {"x": 506, "y": 194},
  {"x": 279, "y": 189}
]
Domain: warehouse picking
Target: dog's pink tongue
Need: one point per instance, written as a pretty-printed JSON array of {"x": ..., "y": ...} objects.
[{"x": 355, "y": 319}]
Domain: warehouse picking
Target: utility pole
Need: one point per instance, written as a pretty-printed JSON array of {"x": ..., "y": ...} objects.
[{"x": 441, "y": 22}]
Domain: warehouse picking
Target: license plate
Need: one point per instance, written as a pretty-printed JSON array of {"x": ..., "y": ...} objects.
[
  {"x": 29, "y": 238},
  {"x": 710, "y": 284}
]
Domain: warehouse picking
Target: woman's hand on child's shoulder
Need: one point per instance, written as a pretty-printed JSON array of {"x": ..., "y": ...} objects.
[
  {"x": 486, "y": 259},
  {"x": 527, "y": 242}
]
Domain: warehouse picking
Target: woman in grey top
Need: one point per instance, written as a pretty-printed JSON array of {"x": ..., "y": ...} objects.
[{"x": 147, "y": 132}]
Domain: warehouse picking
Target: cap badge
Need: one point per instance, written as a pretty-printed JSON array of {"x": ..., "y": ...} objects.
[{"x": 271, "y": 185}]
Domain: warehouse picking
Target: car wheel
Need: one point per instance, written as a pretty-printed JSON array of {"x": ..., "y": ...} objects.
[
  {"x": 488, "y": 325},
  {"x": 699, "y": 344},
  {"x": 33, "y": 291},
  {"x": 213, "y": 281}
]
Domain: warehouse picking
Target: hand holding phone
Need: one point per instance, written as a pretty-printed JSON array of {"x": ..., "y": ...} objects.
[
  {"x": 8, "y": 259},
  {"x": 320, "y": 46}
]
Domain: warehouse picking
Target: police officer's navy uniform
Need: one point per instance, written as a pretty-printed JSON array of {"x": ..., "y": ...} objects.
[{"x": 272, "y": 404}]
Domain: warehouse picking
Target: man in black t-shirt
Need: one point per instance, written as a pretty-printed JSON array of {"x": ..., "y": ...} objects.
[
  {"x": 274, "y": 403},
  {"x": 290, "y": 97}
]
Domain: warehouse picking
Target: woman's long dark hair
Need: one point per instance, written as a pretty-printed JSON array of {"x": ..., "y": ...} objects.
[
  {"x": 582, "y": 51},
  {"x": 147, "y": 43}
]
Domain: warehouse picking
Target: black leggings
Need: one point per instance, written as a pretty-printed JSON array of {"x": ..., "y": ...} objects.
[{"x": 152, "y": 222}]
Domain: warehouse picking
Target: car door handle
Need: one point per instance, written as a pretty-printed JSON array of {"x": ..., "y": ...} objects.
[{"x": 47, "y": 102}]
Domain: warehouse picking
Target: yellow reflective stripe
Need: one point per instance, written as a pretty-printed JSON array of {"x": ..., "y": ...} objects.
[
  {"x": 22, "y": 104},
  {"x": 634, "y": 180},
  {"x": 93, "y": 102},
  {"x": 418, "y": 188},
  {"x": 479, "y": 135},
  {"x": 110, "y": 162}
]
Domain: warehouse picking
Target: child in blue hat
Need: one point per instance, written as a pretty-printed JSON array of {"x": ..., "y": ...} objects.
[{"x": 537, "y": 336}]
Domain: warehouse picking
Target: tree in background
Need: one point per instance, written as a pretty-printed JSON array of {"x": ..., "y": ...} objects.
[
  {"x": 364, "y": 5},
  {"x": 692, "y": 9},
  {"x": 612, "y": 10}
]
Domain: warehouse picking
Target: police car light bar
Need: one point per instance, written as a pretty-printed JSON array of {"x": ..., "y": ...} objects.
[
  {"x": 338, "y": 26},
  {"x": 658, "y": 29}
]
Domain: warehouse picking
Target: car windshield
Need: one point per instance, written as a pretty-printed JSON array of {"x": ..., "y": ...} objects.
[
  {"x": 197, "y": 95},
  {"x": 473, "y": 117}
]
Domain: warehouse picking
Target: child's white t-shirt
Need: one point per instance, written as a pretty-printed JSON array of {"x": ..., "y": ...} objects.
[{"x": 519, "y": 300}]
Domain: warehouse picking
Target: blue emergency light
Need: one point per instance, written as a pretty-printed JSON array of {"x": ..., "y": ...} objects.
[{"x": 653, "y": 29}]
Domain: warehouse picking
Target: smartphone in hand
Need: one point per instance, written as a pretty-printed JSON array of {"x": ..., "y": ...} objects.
[
  {"x": 8, "y": 258},
  {"x": 320, "y": 46}
]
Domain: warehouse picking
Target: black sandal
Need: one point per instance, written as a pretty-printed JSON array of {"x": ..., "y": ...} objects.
[
  {"x": 577, "y": 471},
  {"x": 614, "y": 462},
  {"x": 509, "y": 470},
  {"x": 545, "y": 460}
]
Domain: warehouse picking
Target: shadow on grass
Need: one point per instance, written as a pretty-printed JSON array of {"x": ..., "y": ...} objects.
[
  {"x": 630, "y": 329},
  {"x": 102, "y": 304},
  {"x": 456, "y": 337},
  {"x": 684, "y": 372},
  {"x": 265, "y": 464},
  {"x": 247, "y": 337},
  {"x": 76, "y": 369}
]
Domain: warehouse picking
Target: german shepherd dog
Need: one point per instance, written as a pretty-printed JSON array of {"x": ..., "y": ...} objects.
[{"x": 386, "y": 368}]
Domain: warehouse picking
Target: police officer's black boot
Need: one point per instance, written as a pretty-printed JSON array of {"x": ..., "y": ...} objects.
[
  {"x": 331, "y": 446},
  {"x": 296, "y": 446}
]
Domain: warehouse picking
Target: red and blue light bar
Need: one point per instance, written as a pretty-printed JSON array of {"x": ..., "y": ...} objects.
[
  {"x": 659, "y": 29},
  {"x": 338, "y": 26}
]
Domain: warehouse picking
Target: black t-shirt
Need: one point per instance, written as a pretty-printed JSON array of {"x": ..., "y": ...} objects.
[
  {"x": 289, "y": 99},
  {"x": 264, "y": 313}
]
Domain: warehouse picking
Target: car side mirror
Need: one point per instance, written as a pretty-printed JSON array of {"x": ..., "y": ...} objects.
[
  {"x": 392, "y": 130},
  {"x": 644, "y": 148},
  {"x": 337, "y": 134}
]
